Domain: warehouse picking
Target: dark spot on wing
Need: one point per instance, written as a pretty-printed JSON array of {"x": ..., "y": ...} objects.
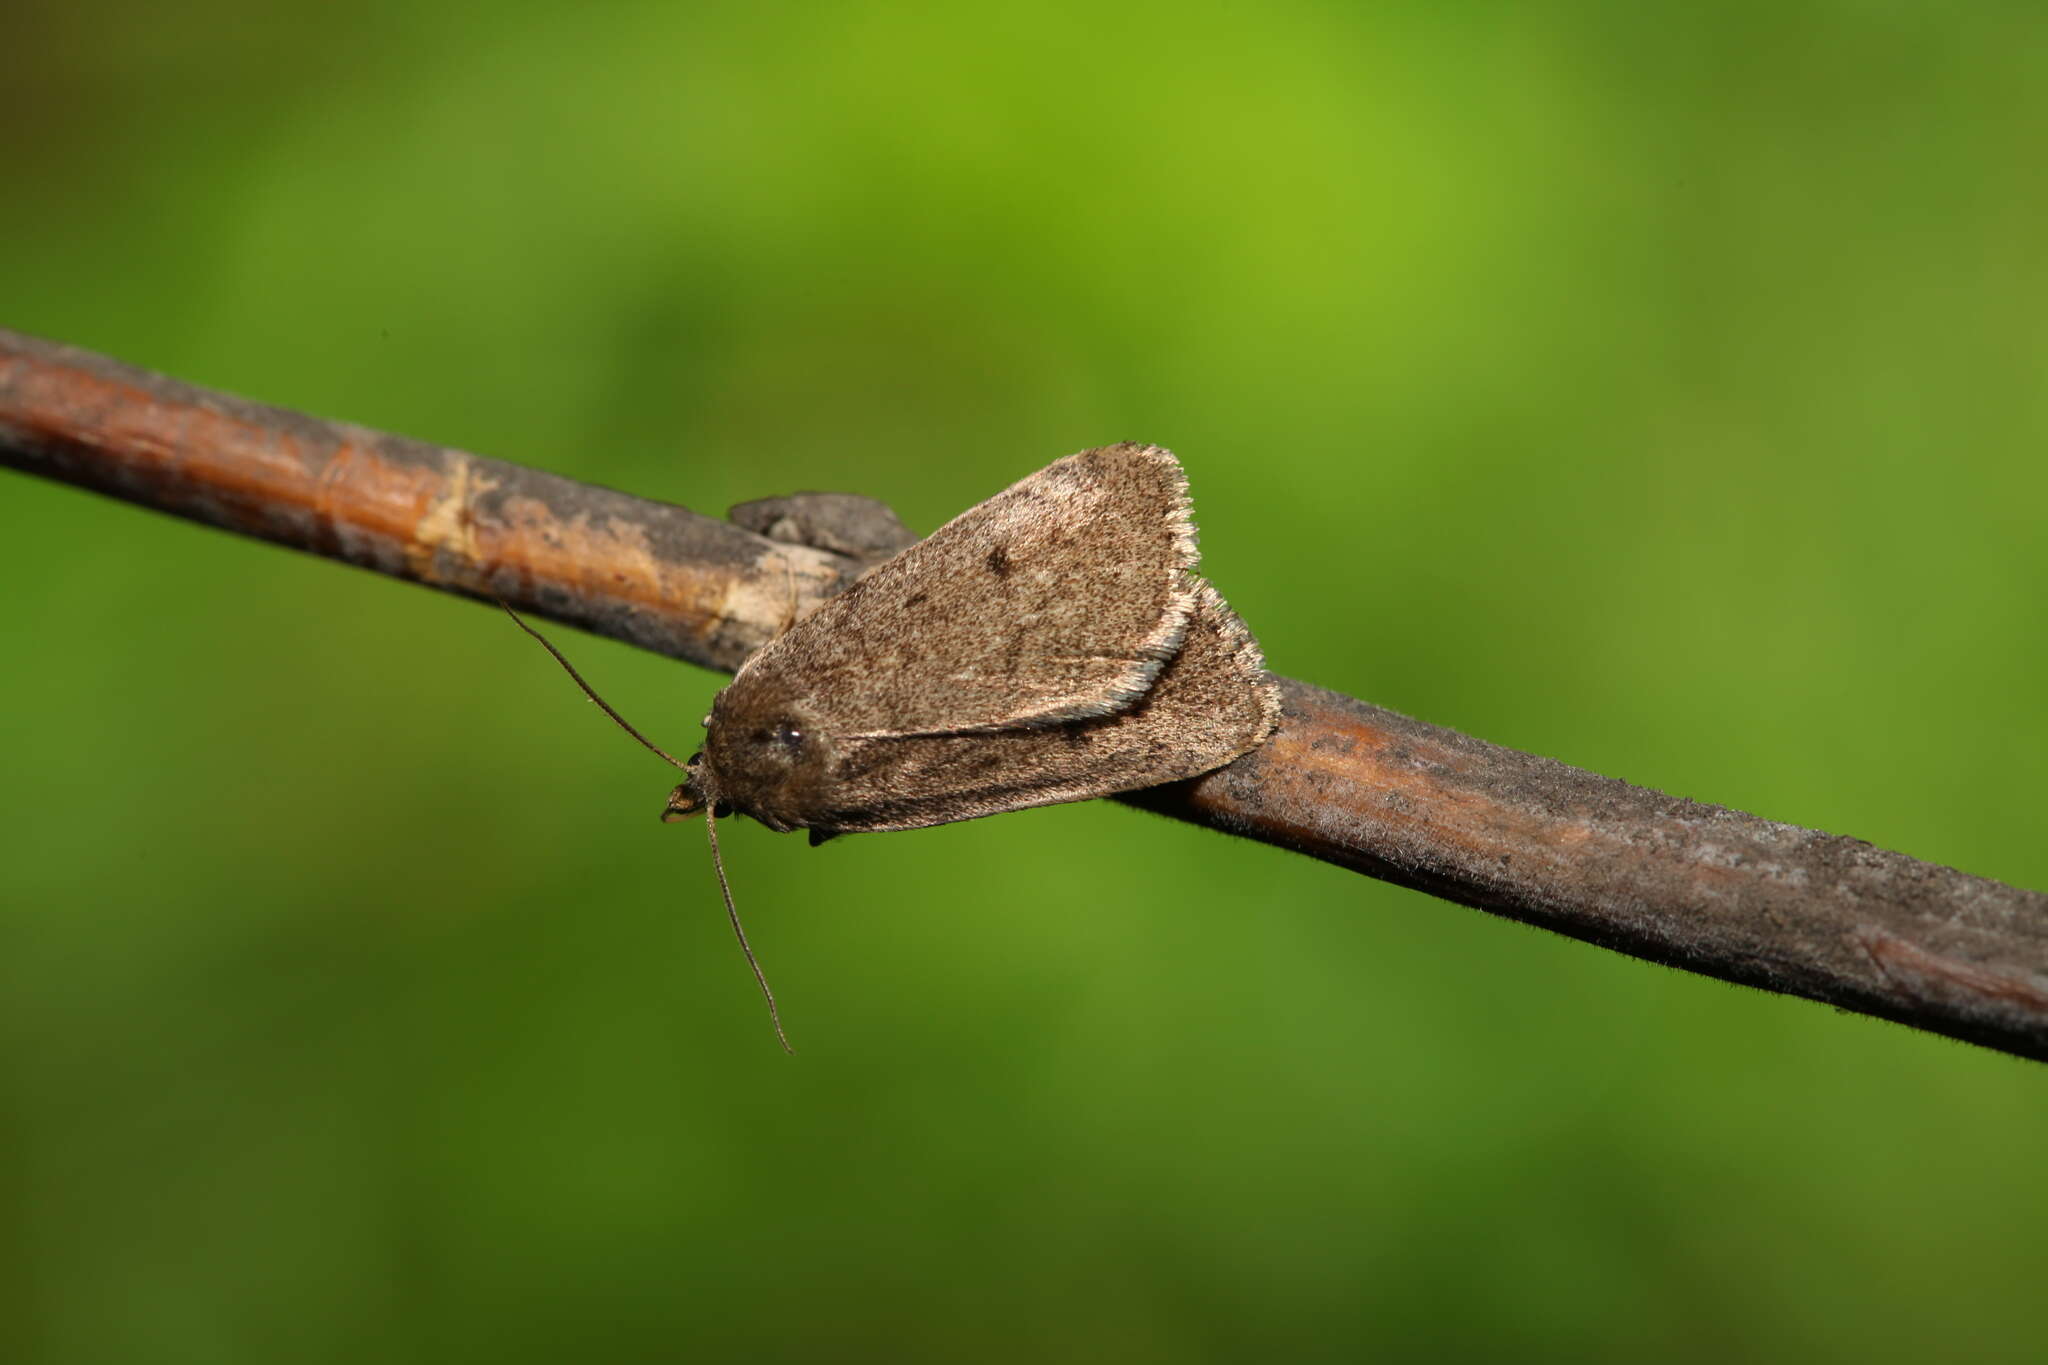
[
  {"x": 915, "y": 598},
  {"x": 999, "y": 561}
]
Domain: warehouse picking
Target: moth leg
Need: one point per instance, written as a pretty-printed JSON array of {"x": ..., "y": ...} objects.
[{"x": 819, "y": 836}]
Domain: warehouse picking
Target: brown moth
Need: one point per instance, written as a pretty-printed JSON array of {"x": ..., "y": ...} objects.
[{"x": 1051, "y": 644}]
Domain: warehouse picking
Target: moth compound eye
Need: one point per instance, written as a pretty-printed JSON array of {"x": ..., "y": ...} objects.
[{"x": 785, "y": 739}]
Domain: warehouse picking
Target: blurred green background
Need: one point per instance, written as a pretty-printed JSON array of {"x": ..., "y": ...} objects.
[{"x": 1656, "y": 388}]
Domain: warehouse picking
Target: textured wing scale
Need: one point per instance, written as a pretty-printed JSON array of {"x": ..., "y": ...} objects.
[
  {"x": 1209, "y": 704},
  {"x": 1058, "y": 599}
]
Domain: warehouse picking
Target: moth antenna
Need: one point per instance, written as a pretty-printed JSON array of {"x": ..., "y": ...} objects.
[
  {"x": 602, "y": 704},
  {"x": 710, "y": 815},
  {"x": 732, "y": 913}
]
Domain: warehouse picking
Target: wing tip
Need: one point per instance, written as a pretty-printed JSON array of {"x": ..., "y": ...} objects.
[
  {"x": 1153, "y": 651},
  {"x": 1250, "y": 660},
  {"x": 1181, "y": 517}
]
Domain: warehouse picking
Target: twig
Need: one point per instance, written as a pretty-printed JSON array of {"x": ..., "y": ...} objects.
[
  {"x": 649, "y": 573},
  {"x": 1702, "y": 888}
]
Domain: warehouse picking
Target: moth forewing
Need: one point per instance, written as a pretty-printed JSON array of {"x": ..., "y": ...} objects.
[{"x": 1061, "y": 596}]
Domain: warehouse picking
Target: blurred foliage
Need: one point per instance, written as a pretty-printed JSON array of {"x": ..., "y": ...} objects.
[{"x": 1655, "y": 387}]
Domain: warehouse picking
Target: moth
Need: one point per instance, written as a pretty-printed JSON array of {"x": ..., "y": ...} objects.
[{"x": 1050, "y": 644}]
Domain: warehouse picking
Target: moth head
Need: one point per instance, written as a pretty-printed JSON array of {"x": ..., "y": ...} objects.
[{"x": 765, "y": 755}]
